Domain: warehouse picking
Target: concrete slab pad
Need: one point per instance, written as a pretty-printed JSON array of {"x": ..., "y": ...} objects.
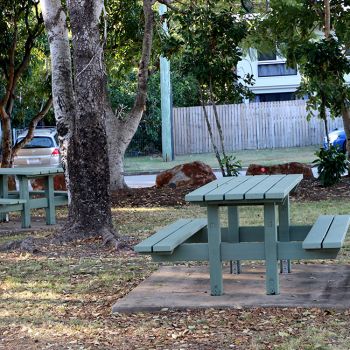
[{"x": 179, "y": 287}]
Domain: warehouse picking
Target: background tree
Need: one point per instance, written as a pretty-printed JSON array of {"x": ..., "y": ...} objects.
[
  {"x": 313, "y": 35},
  {"x": 21, "y": 26},
  {"x": 79, "y": 98},
  {"x": 207, "y": 36}
]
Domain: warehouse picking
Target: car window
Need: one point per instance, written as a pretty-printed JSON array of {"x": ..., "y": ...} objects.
[{"x": 38, "y": 142}]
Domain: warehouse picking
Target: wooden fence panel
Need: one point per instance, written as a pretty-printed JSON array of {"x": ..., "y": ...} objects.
[{"x": 249, "y": 126}]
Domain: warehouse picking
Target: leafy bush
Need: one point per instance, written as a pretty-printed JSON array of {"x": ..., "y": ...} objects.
[
  {"x": 231, "y": 165},
  {"x": 331, "y": 164}
]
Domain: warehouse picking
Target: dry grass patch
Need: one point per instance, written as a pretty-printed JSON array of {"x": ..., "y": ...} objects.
[{"x": 61, "y": 298}]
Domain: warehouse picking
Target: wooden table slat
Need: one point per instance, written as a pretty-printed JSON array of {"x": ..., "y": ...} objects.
[
  {"x": 198, "y": 194},
  {"x": 218, "y": 193},
  {"x": 283, "y": 187},
  {"x": 240, "y": 191},
  {"x": 258, "y": 191},
  {"x": 30, "y": 171}
]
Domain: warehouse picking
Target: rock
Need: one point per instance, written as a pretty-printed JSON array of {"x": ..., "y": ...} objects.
[
  {"x": 58, "y": 181},
  {"x": 195, "y": 173},
  {"x": 287, "y": 168}
]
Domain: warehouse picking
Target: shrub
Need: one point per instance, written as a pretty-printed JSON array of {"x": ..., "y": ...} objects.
[{"x": 331, "y": 164}]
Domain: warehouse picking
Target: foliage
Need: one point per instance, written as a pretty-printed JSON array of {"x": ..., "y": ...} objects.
[
  {"x": 323, "y": 65},
  {"x": 231, "y": 164},
  {"x": 331, "y": 164},
  {"x": 207, "y": 37},
  {"x": 20, "y": 22}
]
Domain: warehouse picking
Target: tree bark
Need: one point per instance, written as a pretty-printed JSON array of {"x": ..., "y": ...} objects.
[
  {"x": 120, "y": 131},
  {"x": 346, "y": 122},
  {"x": 61, "y": 67},
  {"x": 210, "y": 131},
  {"x": 80, "y": 115},
  {"x": 90, "y": 208}
]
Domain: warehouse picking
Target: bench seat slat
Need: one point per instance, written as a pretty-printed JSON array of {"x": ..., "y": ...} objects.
[
  {"x": 317, "y": 233},
  {"x": 146, "y": 245},
  {"x": 337, "y": 232},
  {"x": 9, "y": 201},
  {"x": 169, "y": 243}
]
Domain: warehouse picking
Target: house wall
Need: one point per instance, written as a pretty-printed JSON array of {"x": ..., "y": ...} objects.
[{"x": 276, "y": 84}]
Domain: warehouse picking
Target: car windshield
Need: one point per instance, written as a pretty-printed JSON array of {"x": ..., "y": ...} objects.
[{"x": 38, "y": 142}]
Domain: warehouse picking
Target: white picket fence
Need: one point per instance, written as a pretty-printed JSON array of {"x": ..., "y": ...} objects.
[{"x": 249, "y": 126}]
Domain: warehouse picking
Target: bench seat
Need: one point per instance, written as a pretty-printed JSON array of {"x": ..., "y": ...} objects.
[
  {"x": 328, "y": 232},
  {"x": 166, "y": 240},
  {"x": 11, "y": 204}
]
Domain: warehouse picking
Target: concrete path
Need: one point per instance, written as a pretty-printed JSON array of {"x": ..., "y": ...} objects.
[{"x": 178, "y": 287}]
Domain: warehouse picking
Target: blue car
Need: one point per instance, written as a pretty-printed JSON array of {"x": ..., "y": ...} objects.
[{"x": 336, "y": 138}]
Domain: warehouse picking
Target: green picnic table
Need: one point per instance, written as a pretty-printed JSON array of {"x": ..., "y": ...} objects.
[
  {"x": 277, "y": 240},
  {"x": 24, "y": 200}
]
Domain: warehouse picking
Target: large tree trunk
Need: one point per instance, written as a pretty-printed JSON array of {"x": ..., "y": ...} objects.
[
  {"x": 90, "y": 208},
  {"x": 120, "y": 131},
  {"x": 62, "y": 84},
  {"x": 80, "y": 114}
]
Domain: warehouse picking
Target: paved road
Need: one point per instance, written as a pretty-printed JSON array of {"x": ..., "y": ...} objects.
[{"x": 136, "y": 181}]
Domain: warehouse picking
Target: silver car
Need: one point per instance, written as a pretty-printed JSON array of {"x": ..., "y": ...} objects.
[{"x": 42, "y": 150}]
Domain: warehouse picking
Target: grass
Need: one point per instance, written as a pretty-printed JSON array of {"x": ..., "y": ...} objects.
[
  {"x": 264, "y": 157},
  {"x": 61, "y": 298}
]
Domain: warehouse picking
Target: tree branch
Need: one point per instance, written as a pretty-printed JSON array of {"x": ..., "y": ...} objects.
[
  {"x": 32, "y": 125},
  {"x": 169, "y": 4}
]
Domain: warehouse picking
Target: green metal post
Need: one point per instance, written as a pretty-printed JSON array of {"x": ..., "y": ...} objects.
[
  {"x": 166, "y": 102},
  {"x": 214, "y": 242},
  {"x": 233, "y": 229},
  {"x": 272, "y": 281},
  {"x": 284, "y": 223}
]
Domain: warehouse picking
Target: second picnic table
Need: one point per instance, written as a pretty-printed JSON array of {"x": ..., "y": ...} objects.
[{"x": 24, "y": 200}]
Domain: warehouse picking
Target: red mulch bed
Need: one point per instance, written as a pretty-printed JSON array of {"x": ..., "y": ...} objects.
[{"x": 308, "y": 190}]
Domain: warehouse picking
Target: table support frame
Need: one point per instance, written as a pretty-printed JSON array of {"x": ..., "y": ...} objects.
[{"x": 214, "y": 243}]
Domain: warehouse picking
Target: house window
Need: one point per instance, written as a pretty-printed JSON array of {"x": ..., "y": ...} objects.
[
  {"x": 279, "y": 96},
  {"x": 270, "y": 66},
  {"x": 275, "y": 69},
  {"x": 266, "y": 56}
]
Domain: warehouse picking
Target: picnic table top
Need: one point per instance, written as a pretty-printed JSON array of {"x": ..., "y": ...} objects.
[
  {"x": 31, "y": 171},
  {"x": 246, "y": 188}
]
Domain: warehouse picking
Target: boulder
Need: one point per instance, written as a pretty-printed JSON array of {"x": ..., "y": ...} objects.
[
  {"x": 286, "y": 168},
  {"x": 195, "y": 174},
  {"x": 58, "y": 181}
]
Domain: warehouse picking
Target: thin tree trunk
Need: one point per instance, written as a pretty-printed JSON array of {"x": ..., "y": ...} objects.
[
  {"x": 327, "y": 19},
  {"x": 218, "y": 125},
  {"x": 121, "y": 131},
  {"x": 6, "y": 140},
  {"x": 210, "y": 131}
]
